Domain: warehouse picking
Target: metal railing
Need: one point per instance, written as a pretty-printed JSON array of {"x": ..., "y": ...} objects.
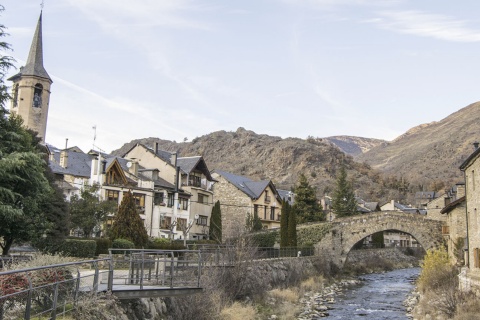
[
  {"x": 48, "y": 291},
  {"x": 284, "y": 252},
  {"x": 164, "y": 268}
]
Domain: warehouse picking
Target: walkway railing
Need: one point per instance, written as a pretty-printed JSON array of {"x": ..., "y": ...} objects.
[
  {"x": 147, "y": 268},
  {"x": 49, "y": 291},
  {"x": 45, "y": 292}
]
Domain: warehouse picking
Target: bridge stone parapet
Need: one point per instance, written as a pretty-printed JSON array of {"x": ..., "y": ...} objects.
[{"x": 345, "y": 232}]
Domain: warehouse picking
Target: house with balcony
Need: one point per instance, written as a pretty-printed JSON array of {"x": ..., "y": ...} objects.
[
  {"x": 74, "y": 169},
  {"x": 191, "y": 199},
  {"x": 241, "y": 197}
]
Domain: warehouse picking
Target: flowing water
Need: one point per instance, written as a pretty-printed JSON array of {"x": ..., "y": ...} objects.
[{"x": 379, "y": 297}]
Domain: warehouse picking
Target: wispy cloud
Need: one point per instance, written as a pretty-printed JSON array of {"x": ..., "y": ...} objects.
[{"x": 427, "y": 25}]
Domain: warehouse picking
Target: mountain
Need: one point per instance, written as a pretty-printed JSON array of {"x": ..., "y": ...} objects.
[
  {"x": 260, "y": 156},
  {"x": 354, "y": 146},
  {"x": 429, "y": 155}
]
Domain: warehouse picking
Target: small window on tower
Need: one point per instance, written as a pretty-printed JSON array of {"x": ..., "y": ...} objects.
[
  {"x": 37, "y": 96},
  {"x": 15, "y": 96}
]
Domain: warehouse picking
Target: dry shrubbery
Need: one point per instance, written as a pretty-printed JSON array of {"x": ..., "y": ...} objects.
[
  {"x": 238, "y": 311},
  {"x": 244, "y": 281},
  {"x": 438, "y": 282}
]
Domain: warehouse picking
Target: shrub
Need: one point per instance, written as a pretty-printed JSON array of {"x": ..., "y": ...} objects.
[
  {"x": 265, "y": 239},
  {"x": 123, "y": 244},
  {"x": 238, "y": 311},
  {"x": 103, "y": 244},
  {"x": 165, "y": 244},
  {"x": 434, "y": 266},
  {"x": 79, "y": 248},
  {"x": 439, "y": 281}
]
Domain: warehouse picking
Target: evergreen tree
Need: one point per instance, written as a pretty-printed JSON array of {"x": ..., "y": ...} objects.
[
  {"x": 215, "y": 230},
  {"x": 256, "y": 223},
  {"x": 128, "y": 224},
  {"x": 284, "y": 224},
  {"x": 89, "y": 211},
  {"x": 343, "y": 200},
  {"x": 292, "y": 226},
  {"x": 306, "y": 205}
]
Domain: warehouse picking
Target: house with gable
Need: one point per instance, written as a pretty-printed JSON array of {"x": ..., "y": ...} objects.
[
  {"x": 74, "y": 170},
  {"x": 191, "y": 199},
  {"x": 71, "y": 167},
  {"x": 241, "y": 197},
  {"x": 471, "y": 169}
]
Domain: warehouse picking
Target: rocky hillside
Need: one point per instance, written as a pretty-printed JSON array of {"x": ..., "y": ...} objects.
[
  {"x": 430, "y": 154},
  {"x": 261, "y": 156},
  {"x": 354, "y": 146}
]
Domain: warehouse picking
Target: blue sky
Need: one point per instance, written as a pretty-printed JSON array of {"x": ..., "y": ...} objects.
[{"x": 178, "y": 69}]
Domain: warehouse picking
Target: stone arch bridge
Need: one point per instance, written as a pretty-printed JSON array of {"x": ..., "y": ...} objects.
[{"x": 344, "y": 233}]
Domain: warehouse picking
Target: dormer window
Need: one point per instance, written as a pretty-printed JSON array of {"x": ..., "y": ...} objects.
[{"x": 37, "y": 96}]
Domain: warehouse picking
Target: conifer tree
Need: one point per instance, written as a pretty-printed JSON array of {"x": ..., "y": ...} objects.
[
  {"x": 215, "y": 230},
  {"x": 128, "y": 224},
  {"x": 306, "y": 205},
  {"x": 284, "y": 224},
  {"x": 343, "y": 201},
  {"x": 256, "y": 222},
  {"x": 292, "y": 226}
]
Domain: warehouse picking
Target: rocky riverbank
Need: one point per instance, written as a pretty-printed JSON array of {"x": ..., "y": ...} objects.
[{"x": 315, "y": 305}]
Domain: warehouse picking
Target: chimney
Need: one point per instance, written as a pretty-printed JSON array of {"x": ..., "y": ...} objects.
[
  {"x": 173, "y": 159},
  {"x": 63, "y": 158},
  {"x": 460, "y": 191},
  {"x": 155, "y": 147},
  {"x": 475, "y": 145},
  {"x": 104, "y": 166},
  {"x": 133, "y": 169}
]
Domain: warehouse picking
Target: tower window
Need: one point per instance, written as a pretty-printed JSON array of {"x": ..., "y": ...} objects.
[
  {"x": 15, "y": 96},
  {"x": 37, "y": 96}
]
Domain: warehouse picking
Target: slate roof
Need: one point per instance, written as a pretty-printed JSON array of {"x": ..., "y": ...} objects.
[
  {"x": 452, "y": 205},
  {"x": 188, "y": 164},
  {"x": 34, "y": 65},
  {"x": 78, "y": 164},
  {"x": 284, "y": 195},
  {"x": 159, "y": 182},
  {"x": 251, "y": 188}
]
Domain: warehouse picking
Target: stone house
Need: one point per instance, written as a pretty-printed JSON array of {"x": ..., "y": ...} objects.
[
  {"x": 422, "y": 198},
  {"x": 241, "y": 197},
  {"x": 189, "y": 204},
  {"x": 471, "y": 169},
  {"x": 455, "y": 229}
]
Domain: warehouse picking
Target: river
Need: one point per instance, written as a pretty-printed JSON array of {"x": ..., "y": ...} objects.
[{"x": 379, "y": 296}]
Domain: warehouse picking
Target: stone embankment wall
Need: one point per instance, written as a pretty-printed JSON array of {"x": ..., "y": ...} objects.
[{"x": 396, "y": 256}]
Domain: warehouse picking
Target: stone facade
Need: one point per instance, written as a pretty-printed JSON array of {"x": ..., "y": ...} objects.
[
  {"x": 471, "y": 168},
  {"x": 235, "y": 206}
]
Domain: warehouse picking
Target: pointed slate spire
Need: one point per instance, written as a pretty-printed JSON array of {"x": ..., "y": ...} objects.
[{"x": 34, "y": 66}]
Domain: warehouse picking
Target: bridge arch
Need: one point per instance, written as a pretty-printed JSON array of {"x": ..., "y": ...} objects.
[{"x": 346, "y": 232}]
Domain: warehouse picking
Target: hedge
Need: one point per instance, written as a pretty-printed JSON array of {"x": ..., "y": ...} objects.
[
  {"x": 79, "y": 248},
  {"x": 123, "y": 244},
  {"x": 103, "y": 244}
]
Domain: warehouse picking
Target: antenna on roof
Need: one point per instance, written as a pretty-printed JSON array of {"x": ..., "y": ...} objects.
[{"x": 94, "y": 135}]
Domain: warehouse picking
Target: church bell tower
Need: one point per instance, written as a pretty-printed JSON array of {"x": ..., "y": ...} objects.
[{"x": 31, "y": 88}]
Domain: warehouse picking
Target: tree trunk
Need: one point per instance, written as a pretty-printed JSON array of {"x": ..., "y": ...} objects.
[{"x": 7, "y": 245}]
